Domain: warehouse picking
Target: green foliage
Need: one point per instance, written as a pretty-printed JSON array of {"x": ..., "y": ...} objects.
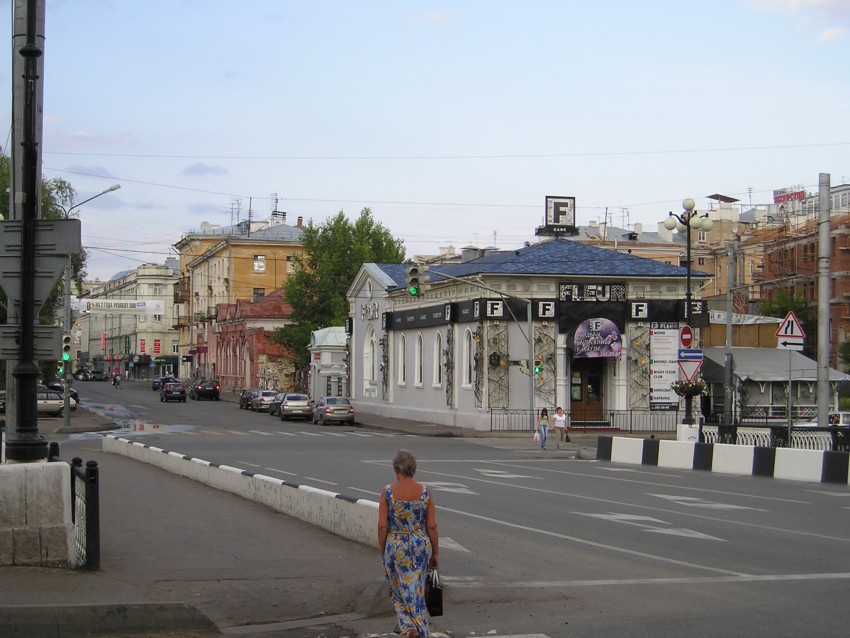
[{"x": 333, "y": 254}]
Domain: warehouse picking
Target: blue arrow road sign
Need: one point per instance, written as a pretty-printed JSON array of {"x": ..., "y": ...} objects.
[{"x": 688, "y": 354}]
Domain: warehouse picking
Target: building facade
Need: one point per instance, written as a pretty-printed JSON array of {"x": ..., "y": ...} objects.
[{"x": 468, "y": 351}]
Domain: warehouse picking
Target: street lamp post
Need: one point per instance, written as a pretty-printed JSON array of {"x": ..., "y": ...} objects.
[
  {"x": 688, "y": 221},
  {"x": 66, "y": 412}
]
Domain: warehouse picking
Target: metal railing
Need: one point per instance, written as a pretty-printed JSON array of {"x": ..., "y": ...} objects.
[
  {"x": 835, "y": 438},
  {"x": 85, "y": 508},
  {"x": 522, "y": 420}
]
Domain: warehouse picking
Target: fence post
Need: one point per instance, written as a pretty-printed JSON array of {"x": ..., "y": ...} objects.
[{"x": 92, "y": 516}]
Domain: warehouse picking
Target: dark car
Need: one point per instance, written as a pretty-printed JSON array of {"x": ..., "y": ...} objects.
[
  {"x": 99, "y": 375},
  {"x": 173, "y": 392},
  {"x": 158, "y": 382},
  {"x": 295, "y": 404},
  {"x": 71, "y": 391},
  {"x": 246, "y": 397},
  {"x": 333, "y": 409},
  {"x": 204, "y": 389},
  {"x": 274, "y": 406}
]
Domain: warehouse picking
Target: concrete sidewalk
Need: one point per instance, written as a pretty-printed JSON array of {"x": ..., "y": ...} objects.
[{"x": 182, "y": 559}]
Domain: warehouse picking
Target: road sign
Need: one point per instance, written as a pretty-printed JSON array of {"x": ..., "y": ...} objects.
[
  {"x": 790, "y": 344},
  {"x": 686, "y": 336},
  {"x": 47, "y": 342},
  {"x": 690, "y": 368},
  {"x": 790, "y": 328},
  {"x": 687, "y": 354}
]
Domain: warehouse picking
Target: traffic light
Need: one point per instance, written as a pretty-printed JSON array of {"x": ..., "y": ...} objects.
[
  {"x": 416, "y": 278},
  {"x": 537, "y": 367},
  {"x": 523, "y": 366},
  {"x": 60, "y": 369},
  {"x": 66, "y": 348}
]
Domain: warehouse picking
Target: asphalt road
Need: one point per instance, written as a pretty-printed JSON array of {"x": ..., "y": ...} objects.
[{"x": 583, "y": 548}]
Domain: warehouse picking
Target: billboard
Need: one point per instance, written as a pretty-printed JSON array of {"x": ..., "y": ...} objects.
[{"x": 125, "y": 306}]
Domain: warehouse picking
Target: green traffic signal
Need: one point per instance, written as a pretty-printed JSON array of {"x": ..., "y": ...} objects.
[{"x": 66, "y": 356}]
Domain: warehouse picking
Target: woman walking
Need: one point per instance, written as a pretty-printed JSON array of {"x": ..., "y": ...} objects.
[
  {"x": 561, "y": 426},
  {"x": 407, "y": 537},
  {"x": 543, "y": 427}
]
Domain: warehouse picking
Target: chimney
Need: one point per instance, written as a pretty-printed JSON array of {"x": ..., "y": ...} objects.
[
  {"x": 638, "y": 228},
  {"x": 300, "y": 222}
]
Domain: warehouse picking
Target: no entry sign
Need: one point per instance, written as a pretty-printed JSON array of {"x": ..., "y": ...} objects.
[{"x": 686, "y": 336}]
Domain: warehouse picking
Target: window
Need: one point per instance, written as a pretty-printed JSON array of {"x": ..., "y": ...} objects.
[
  {"x": 438, "y": 359},
  {"x": 418, "y": 360},
  {"x": 370, "y": 359},
  {"x": 157, "y": 290},
  {"x": 402, "y": 373},
  {"x": 259, "y": 263},
  {"x": 175, "y": 346},
  {"x": 468, "y": 361},
  {"x": 259, "y": 293}
]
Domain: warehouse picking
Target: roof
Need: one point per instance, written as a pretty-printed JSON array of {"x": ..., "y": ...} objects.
[
  {"x": 765, "y": 364},
  {"x": 557, "y": 256},
  {"x": 328, "y": 337}
]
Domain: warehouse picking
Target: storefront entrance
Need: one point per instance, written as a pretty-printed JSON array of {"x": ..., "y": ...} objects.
[{"x": 586, "y": 398}]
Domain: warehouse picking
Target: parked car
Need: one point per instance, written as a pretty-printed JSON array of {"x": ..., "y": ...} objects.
[
  {"x": 173, "y": 392},
  {"x": 274, "y": 406},
  {"x": 83, "y": 375},
  {"x": 246, "y": 396},
  {"x": 99, "y": 375},
  {"x": 295, "y": 405},
  {"x": 58, "y": 388},
  {"x": 204, "y": 389},
  {"x": 52, "y": 403},
  {"x": 158, "y": 382},
  {"x": 332, "y": 410},
  {"x": 261, "y": 401}
]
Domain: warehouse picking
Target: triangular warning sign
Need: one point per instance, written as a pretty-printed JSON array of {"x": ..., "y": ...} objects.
[
  {"x": 690, "y": 368},
  {"x": 790, "y": 327}
]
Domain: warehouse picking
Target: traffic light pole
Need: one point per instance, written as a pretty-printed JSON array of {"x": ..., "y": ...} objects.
[{"x": 66, "y": 393}]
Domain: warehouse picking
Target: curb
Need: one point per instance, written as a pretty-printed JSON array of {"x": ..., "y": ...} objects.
[{"x": 72, "y": 621}]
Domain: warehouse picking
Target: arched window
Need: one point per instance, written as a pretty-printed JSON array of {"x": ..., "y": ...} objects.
[
  {"x": 438, "y": 359},
  {"x": 468, "y": 357},
  {"x": 402, "y": 355},
  {"x": 419, "y": 360},
  {"x": 370, "y": 355}
]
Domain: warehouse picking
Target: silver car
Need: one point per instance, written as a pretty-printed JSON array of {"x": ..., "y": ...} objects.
[
  {"x": 333, "y": 409},
  {"x": 293, "y": 405},
  {"x": 261, "y": 400}
]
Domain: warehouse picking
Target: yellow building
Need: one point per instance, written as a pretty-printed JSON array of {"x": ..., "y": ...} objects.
[{"x": 220, "y": 265}]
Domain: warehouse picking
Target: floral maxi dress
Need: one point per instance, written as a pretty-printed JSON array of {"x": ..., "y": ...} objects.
[{"x": 406, "y": 557}]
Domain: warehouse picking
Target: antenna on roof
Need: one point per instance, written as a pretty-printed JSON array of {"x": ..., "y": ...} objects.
[{"x": 235, "y": 209}]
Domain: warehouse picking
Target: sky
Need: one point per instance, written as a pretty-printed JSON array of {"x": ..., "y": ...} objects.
[{"x": 451, "y": 121}]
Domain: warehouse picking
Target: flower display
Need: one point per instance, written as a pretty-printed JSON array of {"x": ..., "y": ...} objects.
[{"x": 690, "y": 388}]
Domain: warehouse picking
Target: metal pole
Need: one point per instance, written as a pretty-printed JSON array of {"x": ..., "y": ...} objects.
[
  {"x": 727, "y": 360},
  {"x": 689, "y": 415},
  {"x": 531, "y": 365},
  {"x": 788, "y": 401},
  {"x": 66, "y": 384},
  {"x": 27, "y": 444},
  {"x": 823, "y": 298}
]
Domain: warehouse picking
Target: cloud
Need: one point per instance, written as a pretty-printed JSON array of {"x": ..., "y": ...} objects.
[
  {"x": 831, "y": 17},
  {"x": 204, "y": 169}
]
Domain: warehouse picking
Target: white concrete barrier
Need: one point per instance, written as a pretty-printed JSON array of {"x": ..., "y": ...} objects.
[
  {"x": 676, "y": 454},
  {"x": 35, "y": 521},
  {"x": 627, "y": 450},
  {"x": 355, "y": 519},
  {"x": 798, "y": 465},
  {"x": 732, "y": 459}
]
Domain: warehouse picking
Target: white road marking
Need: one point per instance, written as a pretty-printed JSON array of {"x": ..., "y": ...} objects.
[
  {"x": 213, "y": 432},
  {"x": 237, "y": 432},
  {"x": 505, "y": 475},
  {"x": 361, "y": 434},
  {"x": 309, "y": 433},
  {"x": 285, "y": 433},
  {"x": 829, "y": 493},
  {"x": 261, "y": 433},
  {"x": 650, "y": 524},
  {"x": 310, "y": 478},
  {"x": 273, "y": 469},
  {"x": 456, "y": 488},
  {"x": 692, "y": 501},
  {"x": 248, "y": 464}
]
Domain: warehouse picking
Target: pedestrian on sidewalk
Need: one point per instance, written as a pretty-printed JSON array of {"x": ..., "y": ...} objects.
[
  {"x": 409, "y": 543},
  {"x": 560, "y": 423},
  {"x": 116, "y": 381},
  {"x": 543, "y": 427}
]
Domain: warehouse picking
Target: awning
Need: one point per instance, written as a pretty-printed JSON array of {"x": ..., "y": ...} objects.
[{"x": 763, "y": 364}]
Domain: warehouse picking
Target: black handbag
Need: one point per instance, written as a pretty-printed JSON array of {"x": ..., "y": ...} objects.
[{"x": 433, "y": 594}]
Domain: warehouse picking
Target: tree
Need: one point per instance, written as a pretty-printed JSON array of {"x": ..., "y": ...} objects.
[
  {"x": 333, "y": 253},
  {"x": 843, "y": 354}
]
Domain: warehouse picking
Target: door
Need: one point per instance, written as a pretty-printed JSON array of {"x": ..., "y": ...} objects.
[{"x": 586, "y": 397}]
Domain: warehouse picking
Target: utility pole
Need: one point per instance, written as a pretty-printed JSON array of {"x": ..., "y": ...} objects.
[{"x": 823, "y": 297}]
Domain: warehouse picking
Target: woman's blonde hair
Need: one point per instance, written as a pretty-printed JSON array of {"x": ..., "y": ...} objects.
[{"x": 404, "y": 463}]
